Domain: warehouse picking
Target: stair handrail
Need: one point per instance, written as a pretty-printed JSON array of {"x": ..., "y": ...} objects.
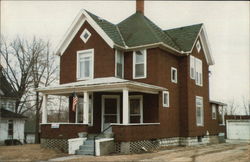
[{"x": 98, "y": 135}]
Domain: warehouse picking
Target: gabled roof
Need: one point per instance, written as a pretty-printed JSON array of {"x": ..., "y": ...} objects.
[
  {"x": 6, "y": 90},
  {"x": 137, "y": 31},
  {"x": 9, "y": 114},
  {"x": 185, "y": 36}
]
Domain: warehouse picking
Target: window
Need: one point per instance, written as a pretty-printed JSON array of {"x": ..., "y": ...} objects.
[
  {"x": 135, "y": 109},
  {"x": 173, "y": 74},
  {"x": 139, "y": 64},
  {"x": 10, "y": 129},
  {"x": 192, "y": 67},
  {"x": 85, "y": 35},
  {"x": 221, "y": 115},
  {"x": 199, "y": 111},
  {"x": 165, "y": 98},
  {"x": 85, "y": 64},
  {"x": 80, "y": 112},
  {"x": 213, "y": 111},
  {"x": 198, "y": 46},
  {"x": 198, "y": 72},
  {"x": 119, "y": 64}
]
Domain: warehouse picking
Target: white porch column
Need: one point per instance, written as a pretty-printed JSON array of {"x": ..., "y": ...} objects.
[
  {"x": 85, "y": 108},
  {"x": 125, "y": 114},
  {"x": 44, "y": 109}
]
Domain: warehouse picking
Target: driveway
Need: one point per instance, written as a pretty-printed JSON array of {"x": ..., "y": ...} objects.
[{"x": 227, "y": 152}]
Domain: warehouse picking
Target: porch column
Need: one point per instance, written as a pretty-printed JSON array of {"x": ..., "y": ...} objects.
[
  {"x": 125, "y": 114},
  {"x": 44, "y": 109},
  {"x": 85, "y": 108}
]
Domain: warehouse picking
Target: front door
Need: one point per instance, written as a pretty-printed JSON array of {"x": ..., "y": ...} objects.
[{"x": 110, "y": 111}]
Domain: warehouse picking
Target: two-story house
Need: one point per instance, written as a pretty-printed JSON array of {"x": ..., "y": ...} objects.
[
  {"x": 147, "y": 86},
  {"x": 11, "y": 123}
]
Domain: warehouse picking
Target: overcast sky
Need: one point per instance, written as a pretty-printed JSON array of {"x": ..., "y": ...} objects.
[{"x": 226, "y": 23}]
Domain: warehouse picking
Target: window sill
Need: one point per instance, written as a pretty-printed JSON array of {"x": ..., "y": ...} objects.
[{"x": 81, "y": 79}]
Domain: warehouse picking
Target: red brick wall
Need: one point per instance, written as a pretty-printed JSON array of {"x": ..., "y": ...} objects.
[
  {"x": 104, "y": 56},
  {"x": 65, "y": 131}
]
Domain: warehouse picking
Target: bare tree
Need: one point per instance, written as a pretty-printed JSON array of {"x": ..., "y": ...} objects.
[
  {"x": 232, "y": 107},
  {"x": 18, "y": 60},
  {"x": 246, "y": 105}
]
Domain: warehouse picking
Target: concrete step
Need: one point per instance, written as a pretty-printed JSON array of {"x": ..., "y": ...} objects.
[
  {"x": 86, "y": 147},
  {"x": 88, "y": 142},
  {"x": 84, "y": 152}
]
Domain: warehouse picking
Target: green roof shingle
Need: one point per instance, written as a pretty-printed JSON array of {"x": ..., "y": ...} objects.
[
  {"x": 138, "y": 30},
  {"x": 184, "y": 36}
]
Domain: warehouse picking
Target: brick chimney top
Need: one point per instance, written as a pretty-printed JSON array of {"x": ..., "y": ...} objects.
[{"x": 140, "y": 6}]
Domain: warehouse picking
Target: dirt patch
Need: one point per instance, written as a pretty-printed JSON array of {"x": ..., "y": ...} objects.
[{"x": 28, "y": 152}]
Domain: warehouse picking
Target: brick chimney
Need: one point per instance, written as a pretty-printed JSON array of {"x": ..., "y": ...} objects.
[{"x": 140, "y": 6}]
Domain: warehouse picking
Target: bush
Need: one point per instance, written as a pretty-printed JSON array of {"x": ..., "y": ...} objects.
[{"x": 9, "y": 142}]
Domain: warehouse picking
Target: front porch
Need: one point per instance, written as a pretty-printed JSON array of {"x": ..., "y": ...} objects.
[{"x": 128, "y": 110}]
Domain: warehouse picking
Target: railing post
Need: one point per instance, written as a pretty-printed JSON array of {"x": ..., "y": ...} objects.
[
  {"x": 44, "y": 109},
  {"x": 86, "y": 108},
  {"x": 125, "y": 114}
]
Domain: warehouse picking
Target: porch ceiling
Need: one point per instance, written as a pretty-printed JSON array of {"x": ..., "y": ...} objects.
[{"x": 101, "y": 84}]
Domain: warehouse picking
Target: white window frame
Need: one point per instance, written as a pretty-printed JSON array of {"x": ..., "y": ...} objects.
[
  {"x": 82, "y": 35},
  {"x": 202, "y": 111},
  {"x": 198, "y": 72},
  {"x": 198, "y": 46},
  {"x": 176, "y": 75},
  {"x": 167, "y": 99},
  {"x": 192, "y": 66},
  {"x": 214, "y": 113},
  {"x": 141, "y": 106},
  {"x": 116, "y": 53},
  {"x": 144, "y": 52},
  {"x": 78, "y": 65}
]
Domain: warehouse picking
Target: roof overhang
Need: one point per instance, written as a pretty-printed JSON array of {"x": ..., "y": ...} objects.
[
  {"x": 217, "y": 103},
  {"x": 109, "y": 84}
]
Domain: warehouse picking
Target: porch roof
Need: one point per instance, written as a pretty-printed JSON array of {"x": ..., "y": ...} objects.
[{"x": 101, "y": 84}]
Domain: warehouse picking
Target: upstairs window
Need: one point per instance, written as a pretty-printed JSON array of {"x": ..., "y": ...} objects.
[
  {"x": 192, "y": 67},
  {"x": 198, "y": 46},
  {"x": 199, "y": 111},
  {"x": 173, "y": 75},
  {"x": 119, "y": 59},
  {"x": 139, "y": 64},
  {"x": 165, "y": 98},
  {"x": 85, "y": 64},
  {"x": 198, "y": 72},
  {"x": 213, "y": 112},
  {"x": 85, "y": 35}
]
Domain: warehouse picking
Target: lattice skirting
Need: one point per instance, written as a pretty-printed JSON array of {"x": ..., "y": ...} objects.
[
  {"x": 57, "y": 144},
  {"x": 149, "y": 145}
]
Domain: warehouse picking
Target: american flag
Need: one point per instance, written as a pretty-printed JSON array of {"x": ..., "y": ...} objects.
[{"x": 75, "y": 100}]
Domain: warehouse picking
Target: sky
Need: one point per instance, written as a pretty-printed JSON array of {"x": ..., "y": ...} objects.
[{"x": 226, "y": 23}]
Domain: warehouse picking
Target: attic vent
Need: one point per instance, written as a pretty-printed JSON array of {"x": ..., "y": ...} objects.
[
  {"x": 85, "y": 35},
  {"x": 198, "y": 46}
]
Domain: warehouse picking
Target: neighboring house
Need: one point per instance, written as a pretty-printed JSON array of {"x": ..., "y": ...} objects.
[
  {"x": 30, "y": 130},
  {"x": 11, "y": 123},
  {"x": 147, "y": 86}
]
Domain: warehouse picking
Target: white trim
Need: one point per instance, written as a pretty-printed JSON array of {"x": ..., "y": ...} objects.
[
  {"x": 117, "y": 97},
  {"x": 192, "y": 65},
  {"x": 176, "y": 75},
  {"x": 144, "y": 52},
  {"x": 140, "y": 97},
  {"x": 163, "y": 94},
  {"x": 91, "y": 54},
  {"x": 202, "y": 111},
  {"x": 116, "y": 53},
  {"x": 198, "y": 46},
  {"x": 81, "y": 17},
  {"x": 63, "y": 123},
  {"x": 205, "y": 44},
  {"x": 83, "y": 33},
  {"x": 44, "y": 109}
]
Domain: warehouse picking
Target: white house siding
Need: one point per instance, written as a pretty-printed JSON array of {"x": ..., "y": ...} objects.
[
  {"x": 18, "y": 130},
  {"x": 3, "y": 130}
]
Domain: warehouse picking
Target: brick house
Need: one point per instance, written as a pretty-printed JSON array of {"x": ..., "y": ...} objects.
[{"x": 146, "y": 86}]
